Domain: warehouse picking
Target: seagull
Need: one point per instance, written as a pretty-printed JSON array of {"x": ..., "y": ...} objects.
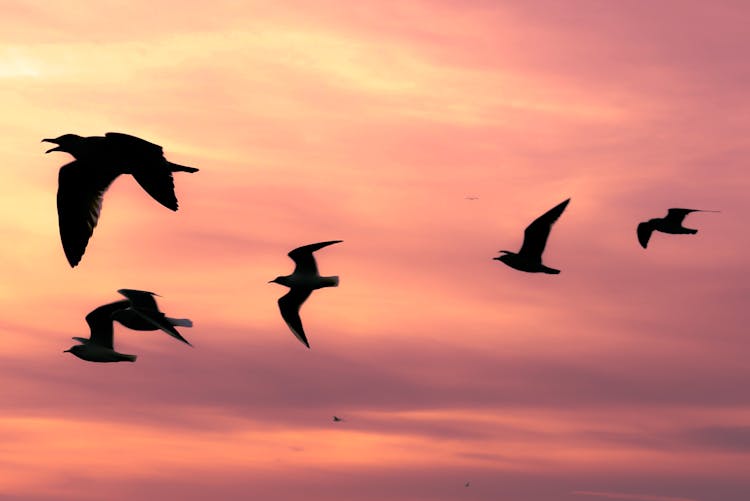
[
  {"x": 141, "y": 313},
  {"x": 529, "y": 258},
  {"x": 337, "y": 419},
  {"x": 98, "y": 347},
  {"x": 98, "y": 162},
  {"x": 671, "y": 223},
  {"x": 301, "y": 283}
]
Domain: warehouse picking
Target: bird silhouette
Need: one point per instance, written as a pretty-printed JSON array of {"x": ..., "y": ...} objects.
[
  {"x": 141, "y": 313},
  {"x": 99, "y": 347},
  {"x": 529, "y": 258},
  {"x": 301, "y": 283},
  {"x": 99, "y": 160},
  {"x": 671, "y": 223},
  {"x": 337, "y": 419}
]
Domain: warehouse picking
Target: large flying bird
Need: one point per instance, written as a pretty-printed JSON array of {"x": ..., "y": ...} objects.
[
  {"x": 99, "y": 160},
  {"x": 301, "y": 283},
  {"x": 529, "y": 258},
  {"x": 671, "y": 223}
]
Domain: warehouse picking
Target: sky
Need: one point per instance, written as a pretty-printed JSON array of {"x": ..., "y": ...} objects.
[{"x": 623, "y": 378}]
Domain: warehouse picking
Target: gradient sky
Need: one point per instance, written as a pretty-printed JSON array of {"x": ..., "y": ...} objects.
[{"x": 623, "y": 378}]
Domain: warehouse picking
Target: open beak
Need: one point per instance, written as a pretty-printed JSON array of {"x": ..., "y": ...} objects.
[{"x": 56, "y": 148}]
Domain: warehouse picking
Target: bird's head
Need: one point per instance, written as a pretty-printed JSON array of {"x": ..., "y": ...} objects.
[
  {"x": 75, "y": 349},
  {"x": 504, "y": 256},
  {"x": 69, "y": 143}
]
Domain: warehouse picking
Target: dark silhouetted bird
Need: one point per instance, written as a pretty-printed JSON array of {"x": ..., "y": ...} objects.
[
  {"x": 467, "y": 484},
  {"x": 337, "y": 419},
  {"x": 671, "y": 223},
  {"x": 98, "y": 162},
  {"x": 98, "y": 347},
  {"x": 301, "y": 283},
  {"x": 529, "y": 258},
  {"x": 141, "y": 313}
]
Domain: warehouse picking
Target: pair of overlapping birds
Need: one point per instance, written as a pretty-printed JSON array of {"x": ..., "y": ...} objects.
[{"x": 99, "y": 160}]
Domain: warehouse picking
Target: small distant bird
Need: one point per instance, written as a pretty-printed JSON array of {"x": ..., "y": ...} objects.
[
  {"x": 99, "y": 160},
  {"x": 671, "y": 223},
  {"x": 529, "y": 258},
  {"x": 466, "y": 484},
  {"x": 337, "y": 419},
  {"x": 471, "y": 198},
  {"x": 141, "y": 313},
  {"x": 98, "y": 347},
  {"x": 301, "y": 283}
]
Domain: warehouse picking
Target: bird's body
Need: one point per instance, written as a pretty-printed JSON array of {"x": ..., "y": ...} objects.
[
  {"x": 99, "y": 160},
  {"x": 99, "y": 346},
  {"x": 671, "y": 224},
  {"x": 521, "y": 263},
  {"x": 301, "y": 283},
  {"x": 92, "y": 352},
  {"x": 529, "y": 258}
]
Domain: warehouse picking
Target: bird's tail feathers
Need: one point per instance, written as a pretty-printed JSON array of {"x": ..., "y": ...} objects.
[
  {"x": 181, "y": 168},
  {"x": 180, "y": 322},
  {"x": 333, "y": 281}
]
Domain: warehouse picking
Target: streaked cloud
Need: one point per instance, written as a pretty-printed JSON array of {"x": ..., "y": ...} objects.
[{"x": 623, "y": 378}]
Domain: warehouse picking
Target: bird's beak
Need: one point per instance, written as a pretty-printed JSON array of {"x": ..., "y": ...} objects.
[
  {"x": 66, "y": 351},
  {"x": 56, "y": 148}
]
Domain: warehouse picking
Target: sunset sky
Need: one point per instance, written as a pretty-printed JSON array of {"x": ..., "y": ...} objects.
[{"x": 623, "y": 378}]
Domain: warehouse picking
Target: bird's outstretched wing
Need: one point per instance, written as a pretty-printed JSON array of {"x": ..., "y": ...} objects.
[
  {"x": 148, "y": 165},
  {"x": 303, "y": 257},
  {"x": 100, "y": 323},
  {"x": 644, "y": 231},
  {"x": 80, "y": 189},
  {"x": 536, "y": 234},
  {"x": 676, "y": 216},
  {"x": 158, "y": 320},
  {"x": 140, "y": 299},
  {"x": 289, "y": 305}
]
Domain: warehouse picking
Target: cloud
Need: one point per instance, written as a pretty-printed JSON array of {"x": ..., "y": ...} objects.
[{"x": 641, "y": 497}]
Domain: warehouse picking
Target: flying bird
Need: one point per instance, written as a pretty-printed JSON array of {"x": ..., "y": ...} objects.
[
  {"x": 141, "y": 313},
  {"x": 99, "y": 160},
  {"x": 337, "y": 419},
  {"x": 529, "y": 258},
  {"x": 301, "y": 283},
  {"x": 671, "y": 223},
  {"x": 98, "y": 347},
  {"x": 467, "y": 484}
]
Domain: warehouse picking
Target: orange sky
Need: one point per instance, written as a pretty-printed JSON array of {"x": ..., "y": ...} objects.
[{"x": 624, "y": 377}]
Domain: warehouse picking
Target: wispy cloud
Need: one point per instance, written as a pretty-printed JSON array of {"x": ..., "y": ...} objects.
[{"x": 639, "y": 497}]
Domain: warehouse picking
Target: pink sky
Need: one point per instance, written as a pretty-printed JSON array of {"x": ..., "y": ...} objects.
[{"x": 624, "y": 377}]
